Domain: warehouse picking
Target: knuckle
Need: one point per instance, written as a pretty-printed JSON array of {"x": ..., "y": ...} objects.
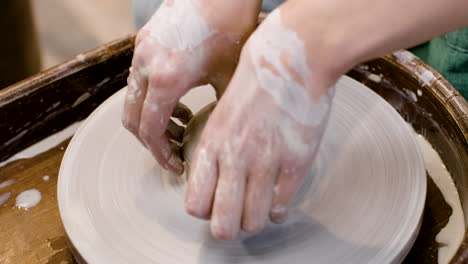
[
  {"x": 195, "y": 211},
  {"x": 278, "y": 213},
  {"x": 164, "y": 78}
]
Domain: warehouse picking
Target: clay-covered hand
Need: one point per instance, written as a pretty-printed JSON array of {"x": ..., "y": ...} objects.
[
  {"x": 185, "y": 44},
  {"x": 262, "y": 137}
]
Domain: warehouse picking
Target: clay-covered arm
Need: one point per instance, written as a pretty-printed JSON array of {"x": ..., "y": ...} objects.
[{"x": 341, "y": 33}]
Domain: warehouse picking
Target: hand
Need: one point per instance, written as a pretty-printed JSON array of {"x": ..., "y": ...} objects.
[
  {"x": 259, "y": 142},
  {"x": 262, "y": 137},
  {"x": 184, "y": 45}
]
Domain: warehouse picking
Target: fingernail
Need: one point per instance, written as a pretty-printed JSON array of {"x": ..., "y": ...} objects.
[
  {"x": 194, "y": 208},
  {"x": 279, "y": 214},
  {"x": 176, "y": 163},
  {"x": 222, "y": 232}
]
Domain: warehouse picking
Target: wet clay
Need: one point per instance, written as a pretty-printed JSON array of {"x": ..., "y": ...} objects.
[{"x": 132, "y": 204}]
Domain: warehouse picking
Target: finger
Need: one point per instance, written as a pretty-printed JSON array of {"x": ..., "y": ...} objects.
[
  {"x": 167, "y": 156},
  {"x": 162, "y": 150},
  {"x": 155, "y": 116},
  {"x": 182, "y": 112},
  {"x": 228, "y": 203},
  {"x": 259, "y": 196},
  {"x": 136, "y": 92},
  {"x": 287, "y": 185},
  {"x": 175, "y": 132},
  {"x": 202, "y": 183}
]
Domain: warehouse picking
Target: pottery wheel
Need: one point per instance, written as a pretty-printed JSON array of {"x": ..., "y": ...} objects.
[{"x": 361, "y": 202}]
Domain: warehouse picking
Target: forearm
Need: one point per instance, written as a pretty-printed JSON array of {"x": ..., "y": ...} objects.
[
  {"x": 223, "y": 12},
  {"x": 341, "y": 33}
]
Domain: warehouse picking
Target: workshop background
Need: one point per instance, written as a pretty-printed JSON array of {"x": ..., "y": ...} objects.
[{"x": 57, "y": 30}]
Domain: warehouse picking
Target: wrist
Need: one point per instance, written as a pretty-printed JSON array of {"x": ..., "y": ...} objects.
[
  {"x": 238, "y": 17},
  {"x": 327, "y": 51}
]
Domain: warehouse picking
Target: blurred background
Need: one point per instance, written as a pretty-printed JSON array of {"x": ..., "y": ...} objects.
[
  {"x": 38, "y": 34},
  {"x": 67, "y": 27}
]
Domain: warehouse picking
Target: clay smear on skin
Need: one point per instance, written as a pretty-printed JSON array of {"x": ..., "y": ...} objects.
[
  {"x": 198, "y": 182},
  {"x": 285, "y": 80},
  {"x": 178, "y": 26},
  {"x": 133, "y": 92},
  {"x": 284, "y": 76}
]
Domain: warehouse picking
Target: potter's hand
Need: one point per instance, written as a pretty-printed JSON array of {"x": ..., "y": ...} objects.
[
  {"x": 185, "y": 44},
  {"x": 262, "y": 137}
]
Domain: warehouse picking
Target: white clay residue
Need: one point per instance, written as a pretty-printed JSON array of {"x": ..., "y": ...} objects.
[
  {"x": 374, "y": 77},
  {"x": 81, "y": 99},
  {"x": 106, "y": 80},
  {"x": 46, "y": 178},
  {"x": 6, "y": 183},
  {"x": 427, "y": 77},
  {"x": 28, "y": 199},
  {"x": 289, "y": 92},
  {"x": 4, "y": 197},
  {"x": 405, "y": 57},
  {"x": 363, "y": 67},
  {"x": 81, "y": 58},
  {"x": 179, "y": 25},
  {"x": 411, "y": 95},
  {"x": 44, "y": 145},
  {"x": 294, "y": 139},
  {"x": 452, "y": 234},
  {"x": 133, "y": 91}
]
